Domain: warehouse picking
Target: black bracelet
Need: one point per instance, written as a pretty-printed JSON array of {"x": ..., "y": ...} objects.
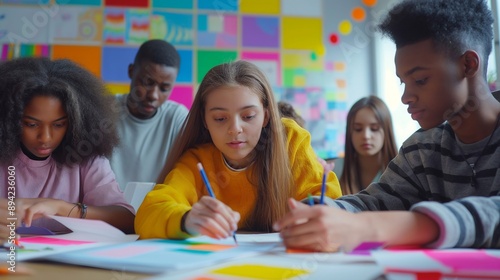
[
  {"x": 72, "y": 209},
  {"x": 183, "y": 222}
]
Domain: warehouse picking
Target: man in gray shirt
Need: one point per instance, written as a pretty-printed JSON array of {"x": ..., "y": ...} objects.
[{"x": 148, "y": 123}]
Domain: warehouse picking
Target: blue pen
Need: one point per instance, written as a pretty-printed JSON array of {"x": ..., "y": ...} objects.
[
  {"x": 323, "y": 188},
  {"x": 205, "y": 180},
  {"x": 209, "y": 188}
]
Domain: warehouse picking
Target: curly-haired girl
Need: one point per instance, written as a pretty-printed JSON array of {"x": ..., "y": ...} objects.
[{"x": 57, "y": 130}]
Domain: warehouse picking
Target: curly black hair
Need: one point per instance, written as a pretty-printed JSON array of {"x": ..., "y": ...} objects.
[
  {"x": 91, "y": 115},
  {"x": 453, "y": 25},
  {"x": 159, "y": 52}
]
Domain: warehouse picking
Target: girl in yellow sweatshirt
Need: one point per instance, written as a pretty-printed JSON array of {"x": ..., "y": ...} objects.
[{"x": 254, "y": 161}]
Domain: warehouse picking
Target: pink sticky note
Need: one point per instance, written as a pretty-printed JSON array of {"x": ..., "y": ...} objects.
[
  {"x": 365, "y": 248},
  {"x": 52, "y": 241},
  {"x": 183, "y": 95},
  {"x": 300, "y": 98},
  {"x": 314, "y": 113},
  {"x": 466, "y": 261},
  {"x": 329, "y": 66}
]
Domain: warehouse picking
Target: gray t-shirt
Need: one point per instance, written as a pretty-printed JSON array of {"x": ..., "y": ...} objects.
[{"x": 145, "y": 144}]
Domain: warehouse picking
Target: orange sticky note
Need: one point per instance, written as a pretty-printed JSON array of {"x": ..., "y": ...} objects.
[
  {"x": 209, "y": 247},
  {"x": 298, "y": 251}
]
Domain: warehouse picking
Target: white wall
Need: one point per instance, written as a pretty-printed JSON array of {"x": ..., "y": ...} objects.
[
  {"x": 389, "y": 87},
  {"x": 355, "y": 49}
]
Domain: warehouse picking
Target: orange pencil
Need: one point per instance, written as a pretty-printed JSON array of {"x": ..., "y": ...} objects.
[{"x": 4, "y": 270}]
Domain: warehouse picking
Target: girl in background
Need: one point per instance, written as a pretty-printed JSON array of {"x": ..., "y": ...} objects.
[
  {"x": 57, "y": 128},
  {"x": 369, "y": 144},
  {"x": 254, "y": 160}
]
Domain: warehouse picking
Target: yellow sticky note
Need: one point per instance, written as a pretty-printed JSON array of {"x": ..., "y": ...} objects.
[
  {"x": 299, "y": 81},
  {"x": 118, "y": 88},
  {"x": 268, "y": 7},
  {"x": 302, "y": 33},
  {"x": 301, "y": 60},
  {"x": 258, "y": 271}
]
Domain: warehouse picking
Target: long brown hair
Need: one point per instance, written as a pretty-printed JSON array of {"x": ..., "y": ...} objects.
[
  {"x": 271, "y": 169},
  {"x": 350, "y": 180}
]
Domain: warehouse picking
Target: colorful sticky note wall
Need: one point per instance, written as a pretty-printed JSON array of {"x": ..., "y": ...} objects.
[{"x": 284, "y": 38}]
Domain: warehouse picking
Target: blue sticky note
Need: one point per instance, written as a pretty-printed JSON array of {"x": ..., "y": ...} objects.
[{"x": 34, "y": 230}]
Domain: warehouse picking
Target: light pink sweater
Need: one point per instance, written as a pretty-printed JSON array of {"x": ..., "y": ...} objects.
[{"x": 49, "y": 179}]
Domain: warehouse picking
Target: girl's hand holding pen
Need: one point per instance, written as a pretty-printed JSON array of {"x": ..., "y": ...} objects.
[{"x": 212, "y": 218}]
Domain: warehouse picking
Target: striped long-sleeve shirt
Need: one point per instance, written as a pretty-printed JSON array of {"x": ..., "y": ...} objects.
[{"x": 431, "y": 175}]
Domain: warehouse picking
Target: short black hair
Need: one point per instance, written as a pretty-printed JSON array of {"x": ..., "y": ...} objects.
[
  {"x": 453, "y": 25},
  {"x": 91, "y": 118},
  {"x": 159, "y": 52}
]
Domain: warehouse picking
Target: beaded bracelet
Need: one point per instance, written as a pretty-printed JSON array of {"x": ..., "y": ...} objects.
[{"x": 83, "y": 210}]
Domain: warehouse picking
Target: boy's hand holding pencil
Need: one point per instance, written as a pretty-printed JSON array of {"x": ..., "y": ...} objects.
[{"x": 310, "y": 200}]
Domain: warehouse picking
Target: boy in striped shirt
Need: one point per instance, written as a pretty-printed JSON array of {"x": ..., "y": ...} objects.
[{"x": 443, "y": 188}]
